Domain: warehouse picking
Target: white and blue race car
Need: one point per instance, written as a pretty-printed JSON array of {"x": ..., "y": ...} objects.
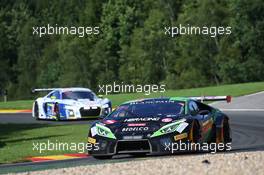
[{"x": 70, "y": 103}]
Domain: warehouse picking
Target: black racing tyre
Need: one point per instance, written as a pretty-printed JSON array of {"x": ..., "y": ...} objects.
[
  {"x": 223, "y": 138},
  {"x": 194, "y": 136},
  {"x": 227, "y": 132},
  {"x": 102, "y": 157},
  {"x": 36, "y": 111},
  {"x": 213, "y": 134},
  {"x": 226, "y": 137}
]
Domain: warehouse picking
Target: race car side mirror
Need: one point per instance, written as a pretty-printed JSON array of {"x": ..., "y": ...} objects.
[
  {"x": 204, "y": 112},
  {"x": 193, "y": 113}
]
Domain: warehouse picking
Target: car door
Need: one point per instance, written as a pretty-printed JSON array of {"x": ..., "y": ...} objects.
[
  {"x": 204, "y": 116},
  {"x": 207, "y": 117},
  {"x": 52, "y": 98}
]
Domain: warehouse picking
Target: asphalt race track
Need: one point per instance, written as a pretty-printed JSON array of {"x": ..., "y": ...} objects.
[
  {"x": 247, "y": 132},
  {"x": 247, "y": 125}
]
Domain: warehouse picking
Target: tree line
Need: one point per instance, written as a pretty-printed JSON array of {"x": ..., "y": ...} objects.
[{"x": 132, "y": 47}]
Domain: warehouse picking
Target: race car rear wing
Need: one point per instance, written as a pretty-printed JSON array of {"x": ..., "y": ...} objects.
[
  {"x": 43, "y": 90},
  {"x": 213, "y": 98}
]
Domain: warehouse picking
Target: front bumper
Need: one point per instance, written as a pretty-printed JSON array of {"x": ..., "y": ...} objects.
[
  {"x": 82, "y": 113},
  {"x": 96, "y": 111},
  {"x": 156, "y": 145}
]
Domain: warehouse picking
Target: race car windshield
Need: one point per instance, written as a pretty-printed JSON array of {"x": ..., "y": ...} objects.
[
  {"x": 149, "y": 108},
  {"x": 77, "y": 95}
]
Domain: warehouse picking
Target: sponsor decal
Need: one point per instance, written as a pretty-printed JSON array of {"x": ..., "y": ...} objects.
[
  {"x": 166, "y": 120},
  {"x": 131, "y": 129},
  {"x": 93, "y": 131},
  {"x": 136, "y": 124},
  {"x": 181, "y": 127},
  {"x": 207, "y": 125},
  {"x": 145, "y": 119},
  {"x": 91, "y": 140},
  {"x": 132, "y": 137},
  {"x": 153, "y": 102},
  {"x": 109, "y": 121},
  {"x": 180, "y": 136},
  {"x": 206, "y": 128}
]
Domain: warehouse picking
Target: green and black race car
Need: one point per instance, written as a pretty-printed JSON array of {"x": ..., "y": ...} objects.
[{"x": 160, "y": 125}]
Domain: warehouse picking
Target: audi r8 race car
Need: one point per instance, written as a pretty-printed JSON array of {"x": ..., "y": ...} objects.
[
  {"x": 154, "y": 126},
  {"x": 70, "y": 103}
]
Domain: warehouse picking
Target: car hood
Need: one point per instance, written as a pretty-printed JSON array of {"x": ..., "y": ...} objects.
[{"x": 141, "y": 127}]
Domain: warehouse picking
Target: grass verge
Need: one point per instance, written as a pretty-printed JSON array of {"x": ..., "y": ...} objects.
[{"x": 16, "y": 140}]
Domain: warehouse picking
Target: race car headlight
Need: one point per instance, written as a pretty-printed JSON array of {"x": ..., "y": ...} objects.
[
  {"x": 102, "y": 131},
  {"x": 71, "y": 113},
  {"x": 178, "y": 126},
  {"x": 69, "y": 110}
]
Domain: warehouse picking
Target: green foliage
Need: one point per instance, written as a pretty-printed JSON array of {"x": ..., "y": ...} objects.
[
  {"x": 248, "y": 39},
  {"x": 146, "y": 56},
  {"x": 132, "y": 47},
  {"x": 199, "y": 63}
]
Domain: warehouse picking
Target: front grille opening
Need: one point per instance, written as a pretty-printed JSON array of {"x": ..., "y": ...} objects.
[
  {"x": 133, "y": 146},
  {"x": 90, "y": 112}
]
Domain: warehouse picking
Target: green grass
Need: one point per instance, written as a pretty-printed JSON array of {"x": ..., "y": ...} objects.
[
  {"x": 20, "y": 104},
  {"x": 233, "y": 89},
  {"x": 16, "y": 140}
]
